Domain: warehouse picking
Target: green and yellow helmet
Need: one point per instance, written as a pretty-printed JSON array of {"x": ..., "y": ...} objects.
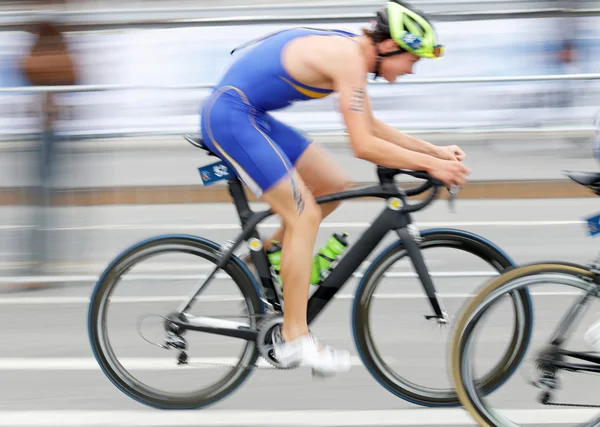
[{"x": 409, "y": 28}]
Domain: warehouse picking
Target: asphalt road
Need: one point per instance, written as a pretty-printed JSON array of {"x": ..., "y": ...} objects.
[{"x": 51, "y": 377}]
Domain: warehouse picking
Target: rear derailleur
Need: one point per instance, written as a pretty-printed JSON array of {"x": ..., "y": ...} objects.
[
  {"x": 547, "y": 368},
  {"x": 176, "y": 340}
]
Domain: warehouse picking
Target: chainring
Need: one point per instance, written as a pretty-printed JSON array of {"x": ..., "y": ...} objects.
[{"x": 264, "y": 340}]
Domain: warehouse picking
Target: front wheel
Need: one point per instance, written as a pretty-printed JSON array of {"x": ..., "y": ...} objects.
[
  {"x": 402, "y": 332},
  {"x": 547, "y": 363}
]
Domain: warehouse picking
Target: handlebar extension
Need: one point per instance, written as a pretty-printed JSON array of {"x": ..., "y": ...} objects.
[{"x": 387, "y": 175}]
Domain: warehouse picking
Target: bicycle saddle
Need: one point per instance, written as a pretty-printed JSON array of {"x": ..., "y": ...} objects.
[
  {"x": 589, "y": 179},
  {"x": 198, "y": 142}
]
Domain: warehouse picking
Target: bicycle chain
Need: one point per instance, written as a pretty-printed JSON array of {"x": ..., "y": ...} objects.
[
  {"x": 578, "y": 405},
  {"x": 575, "y": 405},
  {"x": 269, "y": 365},
  {"x": 222, "y": 365}
]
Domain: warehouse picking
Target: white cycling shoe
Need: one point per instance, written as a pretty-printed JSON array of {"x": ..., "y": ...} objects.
[
  {"x": 592, "y": 336},
  {"x": 307, "y": 351}
]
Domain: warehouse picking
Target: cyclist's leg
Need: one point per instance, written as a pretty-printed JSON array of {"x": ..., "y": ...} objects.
[
  {"x": 322, "y": 175},
  {"x": 315, "y": 165},
  {"x": 300, "y": 214},
  {"x": 292, "y": 201},
  {"x": 269, "y": 173}
]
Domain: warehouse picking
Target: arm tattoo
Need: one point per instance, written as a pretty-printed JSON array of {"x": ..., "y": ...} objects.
[{"x": 358, "y": 100}]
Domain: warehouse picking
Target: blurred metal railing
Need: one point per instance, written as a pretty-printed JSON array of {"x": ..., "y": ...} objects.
[
  {"x": 559, "y": 127},
  {"x": 297, "y": 13},
  {"x": 406, "y": 81}
]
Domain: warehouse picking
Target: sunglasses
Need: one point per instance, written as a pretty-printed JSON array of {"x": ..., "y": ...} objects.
[{"x": 438, "y": 51}]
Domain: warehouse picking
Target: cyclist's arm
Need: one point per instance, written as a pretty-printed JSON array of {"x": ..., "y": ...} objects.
[
  {"x": 384, "y": 131},
  {"x": 393, "y": 135},
  {"x": 349, "y": 79}
]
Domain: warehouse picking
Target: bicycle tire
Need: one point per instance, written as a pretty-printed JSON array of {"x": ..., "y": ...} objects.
[
  {"x": 449, "y": 238},
  {"x": 475, "y": 308},
  {"x": 101, "y": 348}
]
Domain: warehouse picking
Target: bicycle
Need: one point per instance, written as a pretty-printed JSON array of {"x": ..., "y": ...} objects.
[
  {"x": 263, "y": 304},
  {"x": 552, "y": 358}
]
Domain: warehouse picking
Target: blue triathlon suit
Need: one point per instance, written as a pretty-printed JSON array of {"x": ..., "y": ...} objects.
[{"x": 236, "y": 124}]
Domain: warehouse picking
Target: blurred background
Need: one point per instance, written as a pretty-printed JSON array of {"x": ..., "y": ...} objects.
[
  {"x": 131, "y": 75},
  {"x": 95, "y": 96}
]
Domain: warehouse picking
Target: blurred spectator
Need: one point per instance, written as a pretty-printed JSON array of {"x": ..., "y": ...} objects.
[
  {"x": 567, "y": 58},
  {"x": 49, "y": 63}
]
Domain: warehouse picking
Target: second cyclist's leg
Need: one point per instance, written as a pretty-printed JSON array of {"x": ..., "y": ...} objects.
[
  {"x": 300, "y": 214},
  {"x": 592, "y": 336}
]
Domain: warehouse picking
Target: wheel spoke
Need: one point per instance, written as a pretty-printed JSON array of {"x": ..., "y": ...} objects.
[
  {"x": 396, "y": 382},
  {"x": 235, "y": 373}
]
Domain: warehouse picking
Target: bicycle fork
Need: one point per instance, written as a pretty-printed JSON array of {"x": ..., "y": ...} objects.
[{"x": 410, "y": 237}]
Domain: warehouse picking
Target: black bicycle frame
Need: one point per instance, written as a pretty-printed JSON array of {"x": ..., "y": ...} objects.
[
  {"x": 594, "y": 366},
  {"x": 395, "y": 217},
  {"x": 563, "y": 331}
]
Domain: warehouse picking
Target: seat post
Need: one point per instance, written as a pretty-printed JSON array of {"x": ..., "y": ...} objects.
[{"x": 236, "y": 190}]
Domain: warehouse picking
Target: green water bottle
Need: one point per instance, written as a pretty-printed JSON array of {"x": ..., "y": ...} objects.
[
  {"x": 334, "y": 247},
  {"x": 274, "y": 255}
]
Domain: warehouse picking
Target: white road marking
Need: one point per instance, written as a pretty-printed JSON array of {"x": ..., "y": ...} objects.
[
  {"x": 229, "y": 298},
  {"x": 133, "y": 364},
  {"x": 325, "y": 225},
  {"x": 89, "y": 266},
  {"x": 294, "y": 418},
  {"x": 219, "y": 276}
]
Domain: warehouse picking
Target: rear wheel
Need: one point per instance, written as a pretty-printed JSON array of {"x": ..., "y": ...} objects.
[{"x": 236, "y": 369}]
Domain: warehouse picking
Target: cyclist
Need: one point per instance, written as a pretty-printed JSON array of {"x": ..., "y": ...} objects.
[{"x": 283, "y": 169}]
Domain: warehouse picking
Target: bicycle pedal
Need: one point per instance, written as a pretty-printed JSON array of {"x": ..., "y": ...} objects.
[
  {"x": 438, "y": 321},
  {"x": 182, "y": 359},
  {"x": 316, "y": 375}
]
